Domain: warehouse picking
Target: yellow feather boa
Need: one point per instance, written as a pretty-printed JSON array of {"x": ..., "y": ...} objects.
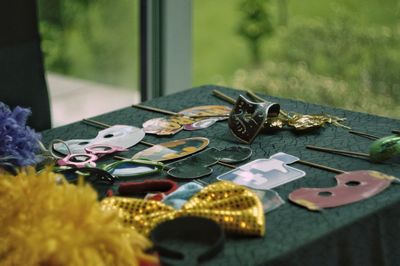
[{"x": 44, "y": 223}]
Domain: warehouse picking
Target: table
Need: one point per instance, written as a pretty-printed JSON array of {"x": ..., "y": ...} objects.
[{"x": 364, "y": 233}]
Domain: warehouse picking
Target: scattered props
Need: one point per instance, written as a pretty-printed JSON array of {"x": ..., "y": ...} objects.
[
  {"x": 164, "y": 151},
  {"x": 93, "y": 153},
  {"x": 297, "y": 121},
  {"x": 194, "y": 118},
  {"x": 248, "y": 118},
  {"x": 351, "y": 187},
  {"x": 198, "y": 165},
  {"x": 264, "y": 174},
  {"x": 173, "y": 149},
  {"x": 118, "y": 135},
  {"x": 381, "y": 150}
]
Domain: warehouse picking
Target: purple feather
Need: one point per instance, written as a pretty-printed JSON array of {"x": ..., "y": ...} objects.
[{"x": 18, "y": 142}]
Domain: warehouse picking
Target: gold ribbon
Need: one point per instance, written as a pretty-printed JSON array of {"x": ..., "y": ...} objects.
[
  {"x": 304, "y": 122},
  {"x": 236, "y": 208}
]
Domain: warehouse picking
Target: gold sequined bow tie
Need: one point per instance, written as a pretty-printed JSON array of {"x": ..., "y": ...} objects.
[{"x": 235, "y": 208}]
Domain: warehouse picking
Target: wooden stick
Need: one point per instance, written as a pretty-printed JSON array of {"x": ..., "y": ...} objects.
[
  {"x": 163, "y": 111},
  {"x": 95, "y": 123},
  {"x": 342, "y": 152},
  {"x": 320, "y": 166},
  {"x": 223, "y": 96},
  {"x": 363, "y": 134},
  {"x": 154, "y": 109},
  {"x": 230, "y": 100},
  {"x": 258, "y": 98}
]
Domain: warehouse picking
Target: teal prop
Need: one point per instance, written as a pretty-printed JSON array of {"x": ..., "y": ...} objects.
[
  {"x": 128, "y": 167},
  {"x": 381, "y": 150},
  {"x": 198, "y": 165},
  {"x": 385, "y": 148}
]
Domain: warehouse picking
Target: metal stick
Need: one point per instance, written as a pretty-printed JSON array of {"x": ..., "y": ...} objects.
[
  {"x": 163, "y": 111},
  {"x": 323, "y": 167},
  {"x": 363, "y": 134},
  {"x": 336, "y": 151}
]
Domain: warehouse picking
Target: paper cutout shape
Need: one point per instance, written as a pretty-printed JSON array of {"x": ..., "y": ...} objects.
[
  {"x": 387, "y": 148},
  {"x": 263, "y": 174},
  {"x": 270, "y": 199},
  {"x": 208, "y": 110},
  {"x": 198, "y": 165},
  {"x": 172, "y": 125},
  {"x": 205, "y": 123},
  {"x": 173, "y": 149},
  {"x": 118, "y": 135},
  {"x": 161, "y": 126},
  {"x": 248, "y": 118},
  {"x": 351, "y": 187}
]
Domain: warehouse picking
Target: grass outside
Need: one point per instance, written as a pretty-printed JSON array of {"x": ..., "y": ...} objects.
[{"x": 342, "y": 53}]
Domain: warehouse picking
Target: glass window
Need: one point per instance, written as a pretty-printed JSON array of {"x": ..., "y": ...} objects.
[
  {"x": 345, "y": 53},
  {"x": 91, "y": 56}
]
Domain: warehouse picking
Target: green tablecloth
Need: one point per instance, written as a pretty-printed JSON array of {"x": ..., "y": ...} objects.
[{"x": 364, "y": 233}]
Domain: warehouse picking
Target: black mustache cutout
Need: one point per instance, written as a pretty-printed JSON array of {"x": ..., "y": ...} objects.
[{"x": 198, "y": 165}]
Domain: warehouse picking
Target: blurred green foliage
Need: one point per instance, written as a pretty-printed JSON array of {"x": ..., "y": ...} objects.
[
  {"x": 91, "y": 39},
  {"x": 345, "y": 53},
  {"x": 335, "y": 60},
  {"x": 254, "y": 25}
]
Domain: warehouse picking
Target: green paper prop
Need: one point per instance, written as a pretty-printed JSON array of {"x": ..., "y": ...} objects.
[
  {"x": 198, "y": 165},
  {"x": 381, "y": 150}
]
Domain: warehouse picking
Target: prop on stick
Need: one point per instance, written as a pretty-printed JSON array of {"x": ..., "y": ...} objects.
[
  {"x": 381, "y": 150},
  {"x": 248, "y": 118},
  {"x": 264, "y": 174},
  {"x": 351, "y": 187},
  {"x": 119, "y": 136},
  {"x": 164, "y": 151},
  {"x": 295, "y": 120},
  {"x": 194, "y": 118}
]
